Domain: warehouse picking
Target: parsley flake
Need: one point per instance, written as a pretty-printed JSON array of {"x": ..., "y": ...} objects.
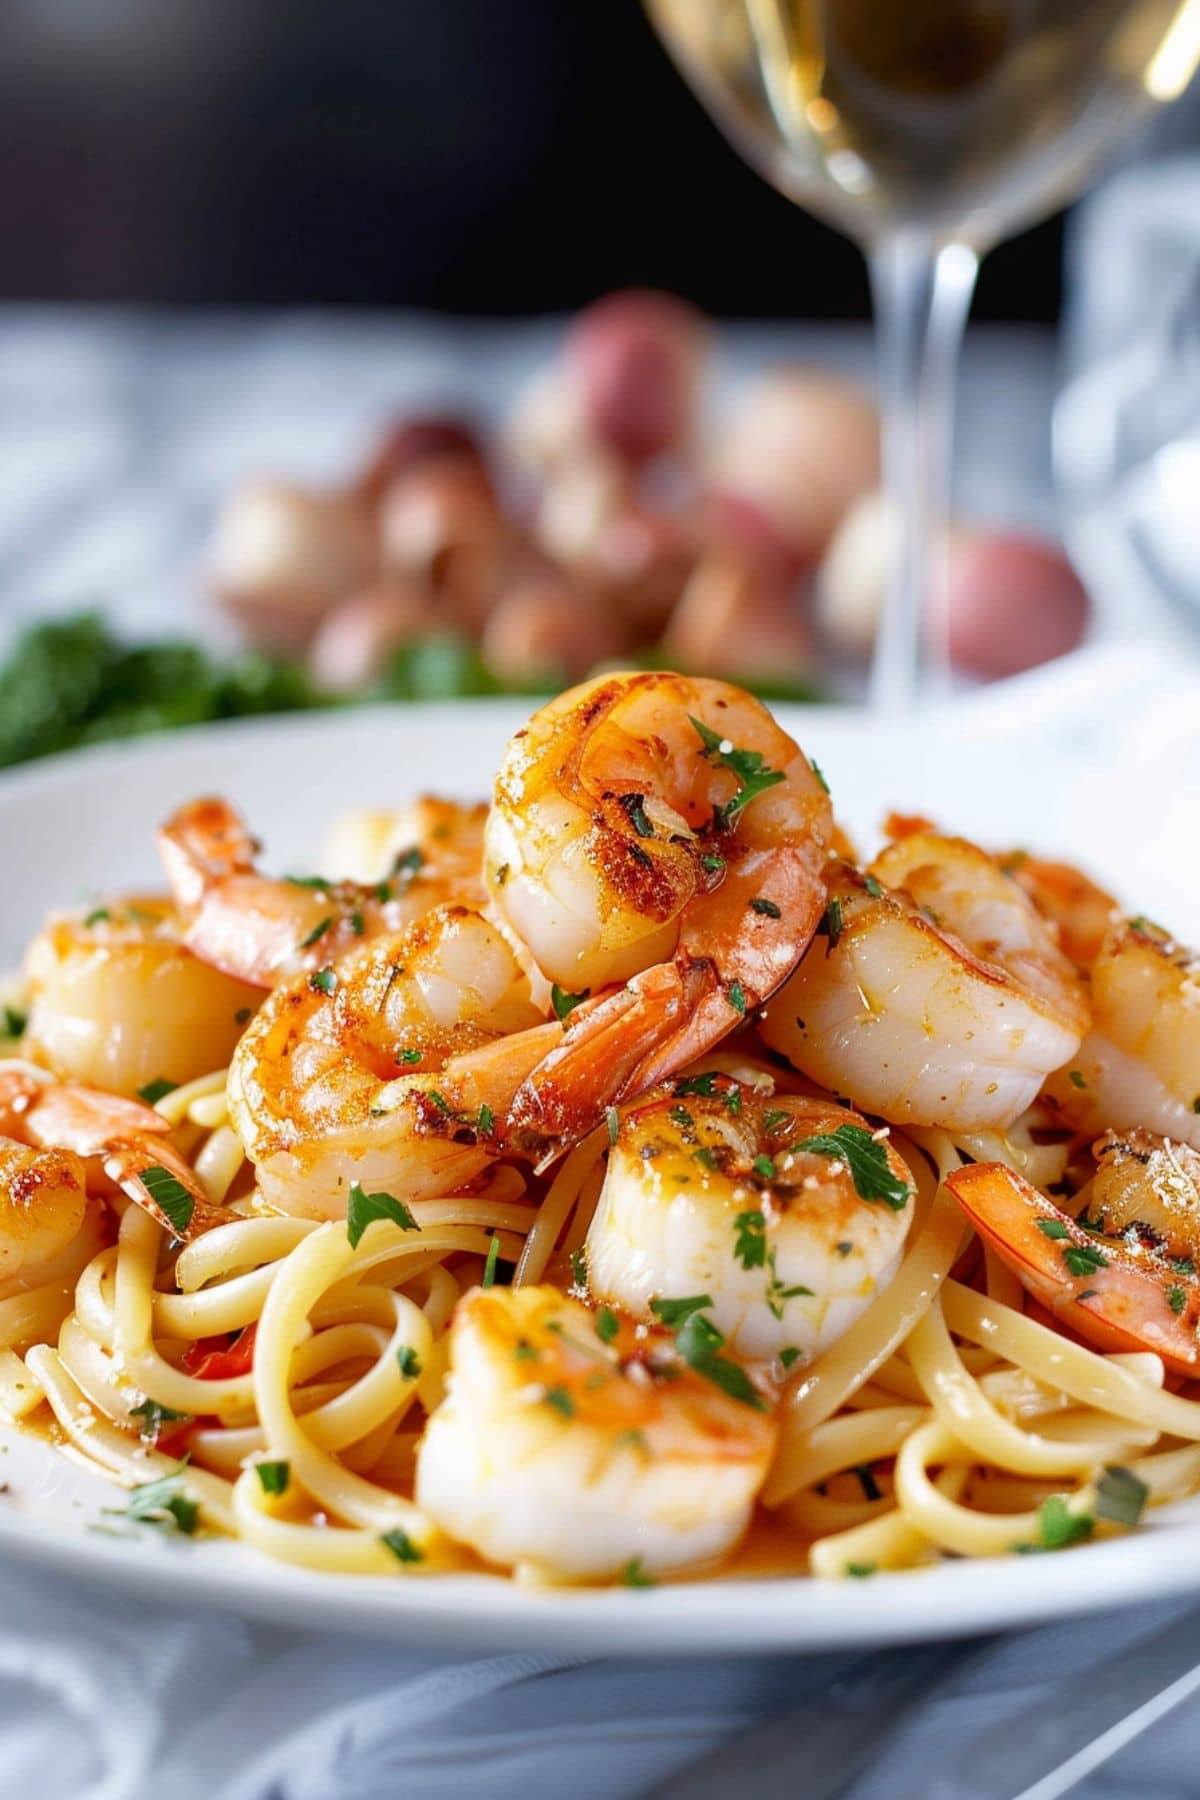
[
  {"x": 154, "y": 1416},
  {"x": 831, "y": 924},
  {"x": 1121, "y": 1496},
  {"x": 99, "y": 915},
  {"x": 735, "y": 993},
  {"x": 14, "y": 1022},
  {"x": 867, "y": 1160},
  {"x": 485, "y": 1123},
  {"x": 409, "y": 1362},
  {"x": 364, "y": 1209},
  {"x": 1058, "y": 1526},
  {"x": 767, "y": 908},
  {"x": 323, "y": 981},
  {"x": 154, "y": 1091},
  {"x": 170, "y": 1197},
  {"x": 163, "y": 1503},
  {"x": 317, "y": 933},
  {"x": 873, "y": 888},
  {"x": 634, "y": 808},
  {"x": 750, "y": 1241},
  {"x": 1084, "y": 1259},
  {"x": 819, "y": 772},
  {"x": 607, "y": 1325},
  {"x": 764, "y": 1166},
  {"x": 564, "y": 1004},
  {"x": 489, "y": 1267},
  {"x": 754, "y": 777},
  {"x": 560, "y": 1400},
  {"x": 634, "y": 1575},
  {"x": 699, "y": 1343},
  {"x": 612, "y": 1119},
  {"x": 1076, "y": 1078},
  {"x": 676, "y": 1312},
  {"x": 1176, "y": 1299},
  {"x": 401, "y": 1546},
  {"x": 1052, "y": 1228},
  {"x": 273, "y": 1477}
]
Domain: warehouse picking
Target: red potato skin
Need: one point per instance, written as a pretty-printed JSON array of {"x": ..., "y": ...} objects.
[
  {"x": 412, "y": 441},
  {"x": 637, "y": 357},
  {"x": 1013, "y": 602},
  {"x": 355, "y": 641}
]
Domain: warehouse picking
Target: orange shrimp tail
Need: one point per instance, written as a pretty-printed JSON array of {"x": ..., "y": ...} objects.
[
  {"x": 202, "y": 843},
  {"x": 1108, "y": 1299}
]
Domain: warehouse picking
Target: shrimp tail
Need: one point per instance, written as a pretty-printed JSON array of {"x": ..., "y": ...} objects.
[
  {"x": 1085, "y": 1282},
  {"x": 617, "y": 1044},
  {"x": 180, "y": 1205},
  {"x": 203, "y": 843}
]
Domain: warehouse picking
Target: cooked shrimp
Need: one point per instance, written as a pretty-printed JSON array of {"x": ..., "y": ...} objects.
[
  {"x": 43, "y": 1197},
  {"x": 264, "y": 930},
  {"x": 1140, "y": 1063},
  {"x": 366, "y": 846},
  {"x": 1081, "y": 911},
  {"x": 936, "y": 993},
  {"x": 1128, "y": 1280},
  {"x": 663, "y": 835},
  {"x": 127, "y": 1142},
  {"x": 117, "y": 1001},
  {"x": 377, "y": 1071},
  {"x": 574, "y": 1444},
  {"x": 790, "y": 1214}
]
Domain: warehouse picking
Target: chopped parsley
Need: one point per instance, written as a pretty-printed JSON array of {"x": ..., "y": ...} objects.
[
  {"x": 579, "y": 1269},
  {"x": 408, "y": 1056},
  {"x": 560, "y": 1400},
  {"x": 1084, "y": 1259},
  {"x": 364, "y": 1209},
  {"x": 401, "y": 1546},
  {"x": 14, "y": 1022},
  {"x": 607, "y": 1325},
  {"x": 750, "y": 1241},
  {"x": 357, "y": 923},
  {"x": 754, "y": 777},
  {"x": 777, "y": 1294},
  {"x": 634, "y": 808},
  {"x": 154, "y": 1416},
  {"x": 1058, "y": 1526},
  {"x": 704, "y": 1085},
  {"x": 706, "y": 1157},
  {"x": 773, "y": 1118},
  {"x": 679, "y": 1115},
  {"x": 154, "y": 1091},
  {"x": 873, "y": 888},
  {"x": 308, "y": 881},
  {"x": 1076, "y": 1078},
  {"x": 860, "y": 1570},
  {"x": 170, "y": 1196},
  {"x": 99, "y": 915},
  {"x": 406, "y": 866},
  {"x": 767, "y": 908},
  {"x": 1176, "y": 1299},
  {"x": 317, "y": 933},
  {"x": 323, "y": 981},
  {"x": 699, "y": 1343},
  {"x": 1121, "y": 1496},
  {"x": 789, "y": 1355},
  {"x": 409, "y": 1362},
  {"x": 164, "y": 1504},
  {"x": 564, "y": 1004},
  {"x": 831, "y": 923},
  {"x": 713, "y": 865},
  {"x": 674, "y": 1313},
  {"x": 243, "y": 1015},
  {"x": 634, "y": 1575},
  {"x": 1052, "y": 1228},
  {"x": 735, "y": 993},
  {"x": 485, "y": 1122},
  {"x": 764, "y": 1166},
  {"x": 489, "y": 1267},
  {"x": 273, "y": 1477},
  {"x": 867, "y": 1160},
  {"x": 1184, "y": 1264},
  {"x": 819, "y": 772},
  {"x": 867, "y": 1482},
  {"x": 612, "y": 1119}
]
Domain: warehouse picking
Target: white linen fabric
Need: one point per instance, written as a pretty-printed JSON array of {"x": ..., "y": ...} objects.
[{"x": 102, "y": 1699}]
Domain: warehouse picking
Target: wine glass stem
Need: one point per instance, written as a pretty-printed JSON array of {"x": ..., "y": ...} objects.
[{"x": 922, "y": 294}]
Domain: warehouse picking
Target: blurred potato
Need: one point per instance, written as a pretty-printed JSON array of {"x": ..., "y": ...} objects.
[
  {"x": 578, "y": 503},
  {"x": 409, "y": 442},
  {"x": 282, "y": 555},
  {"x": 358, "y": 638},
  {"x": 638, "y": 357},
  {"x": 442, "y": 526},
  {"x": 851, "y": 583},
  {"x": 801, "y": 446},
  {"x": 547, "y": 424},
  {"x": 544, "y": 628},
  {"x": 640, "y": 564},
  {"x": 1014, "y": 602},
  {"x": 736, "y": 619}
]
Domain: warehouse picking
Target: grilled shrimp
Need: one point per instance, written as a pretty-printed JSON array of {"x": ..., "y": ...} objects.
[
  {"x": 43, "y": 1198},
  {"x": 574, "y": 1444},
  {"x": 661, "y": 836},
  {"x": 1140, "y": 1063},
  {"x": 121, "y": 1142},
  {"x": 1127, "y": 1279},
  {"x": 936, "y": 993},
  {"x": 366, "y": 846},
  {"x": 1080, "y": 911},
  {"x": 117, "y": 1001},
  {"x": 263, "y": 929},
  {"x": 789, "y": 1214},
  {"x": 395, "y": 1067}
]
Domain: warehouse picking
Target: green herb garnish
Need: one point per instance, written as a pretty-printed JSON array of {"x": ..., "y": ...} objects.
[
  {"x": 635, "y": 811},
  {"x": 170, "y": 1197},
  {"x": 867, "y": 1160},
  {"x": 317, "y": 933},
  {"x": 273, "y": 1477},
  {"x": 401, "y": 1546},
  {"x": 1052, "y": 1228},
  {"x": 489, "y": 1267},
  {"x": 364, "y": 1209},
  {"x": 754, "y": 777},
  {"x": 154, "y": 1416},
  {"x": 154, "y": 1091},
  {"x": 564, "y": 1004},
  {"x": 323, "y": 981},
  {"x": 409, "y": 1362},
  {"x": 607, "y": 1325},
  {"x": 1121, "y": 1496},
  {"x": 1084, "y": 1259},
  {"x": 767, "y": 908},
  {"x": 750, "y": 1240}
]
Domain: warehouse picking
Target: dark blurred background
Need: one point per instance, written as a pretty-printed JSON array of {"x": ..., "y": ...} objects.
[{"x": 461, "y": 154}]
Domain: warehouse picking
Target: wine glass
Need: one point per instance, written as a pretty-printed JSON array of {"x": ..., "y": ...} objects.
[{"x": 926, "y": 130}]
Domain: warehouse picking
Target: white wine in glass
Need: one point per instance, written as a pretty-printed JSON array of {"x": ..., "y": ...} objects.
[{"x": 926, "y": 130}]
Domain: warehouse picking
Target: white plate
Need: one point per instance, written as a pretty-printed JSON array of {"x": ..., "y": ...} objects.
[{"x": 1095, "y": 760}]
